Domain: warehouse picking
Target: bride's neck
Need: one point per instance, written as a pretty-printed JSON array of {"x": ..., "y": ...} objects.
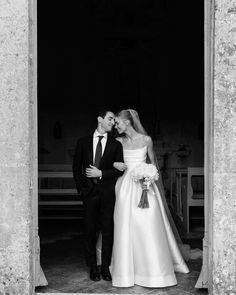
[{"x": 131, "y": 134}]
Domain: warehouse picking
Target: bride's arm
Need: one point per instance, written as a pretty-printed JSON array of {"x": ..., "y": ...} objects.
[
  {"x": 150, "y": 151},
  {"x": 119, "y": 165}
]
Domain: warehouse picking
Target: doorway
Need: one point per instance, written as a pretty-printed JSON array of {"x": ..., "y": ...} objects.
[{"x": 110, "y": 54}]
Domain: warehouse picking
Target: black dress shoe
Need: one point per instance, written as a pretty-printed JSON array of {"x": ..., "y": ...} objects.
[
  {"x": 94, "y": 273},
  {"x": 105, "y": 272}
]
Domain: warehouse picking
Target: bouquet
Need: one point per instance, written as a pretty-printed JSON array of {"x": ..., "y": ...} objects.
[{"x": 146, "y": 174}]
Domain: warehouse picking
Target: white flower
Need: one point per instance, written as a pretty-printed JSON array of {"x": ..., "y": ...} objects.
[{"x": 146, "y": 172}]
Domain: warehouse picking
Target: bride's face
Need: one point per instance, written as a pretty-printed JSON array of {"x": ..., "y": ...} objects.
[{"x": 120, "y": 125}]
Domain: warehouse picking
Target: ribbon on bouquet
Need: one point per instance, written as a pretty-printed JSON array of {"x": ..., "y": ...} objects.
[
  {"x": 143, "y": 203},
  {"x": 146, "y": 174}
]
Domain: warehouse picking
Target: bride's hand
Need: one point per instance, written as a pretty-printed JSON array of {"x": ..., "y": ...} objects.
[{"x": 120, "y": 166}]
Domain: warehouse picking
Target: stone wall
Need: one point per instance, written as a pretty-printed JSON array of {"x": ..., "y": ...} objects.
[
  {"x": 15, "y": 149},
  {"x": 224, "y": 141}
]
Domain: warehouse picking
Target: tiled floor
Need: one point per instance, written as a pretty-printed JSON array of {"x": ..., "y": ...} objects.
[{"x": 64, "y": 267}]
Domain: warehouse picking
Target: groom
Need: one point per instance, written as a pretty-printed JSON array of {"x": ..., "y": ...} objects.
[{"x": 95, "y": 178}]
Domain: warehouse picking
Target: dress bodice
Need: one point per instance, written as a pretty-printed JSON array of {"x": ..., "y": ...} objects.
[{"x": 134, "y": 157}]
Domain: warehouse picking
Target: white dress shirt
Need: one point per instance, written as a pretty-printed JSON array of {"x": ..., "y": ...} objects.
[{"x": 95, "y": 141}]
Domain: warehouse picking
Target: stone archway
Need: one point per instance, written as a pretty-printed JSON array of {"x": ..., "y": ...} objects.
[{"x": 18, "y": 137}]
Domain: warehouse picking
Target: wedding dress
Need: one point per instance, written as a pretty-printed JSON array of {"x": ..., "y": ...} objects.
[
  {"x": 145, "y": 251},
  {"x": 40, "y": 279}
]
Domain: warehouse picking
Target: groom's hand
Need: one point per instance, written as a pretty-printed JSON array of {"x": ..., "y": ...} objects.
[{"x": 93, "y": 172}]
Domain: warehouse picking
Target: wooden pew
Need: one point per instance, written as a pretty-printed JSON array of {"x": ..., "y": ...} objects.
[{"x": 57, "y": 193}]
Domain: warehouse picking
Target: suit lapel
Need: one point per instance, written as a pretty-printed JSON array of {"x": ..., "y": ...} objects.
[{"x": 90, "y": 150}]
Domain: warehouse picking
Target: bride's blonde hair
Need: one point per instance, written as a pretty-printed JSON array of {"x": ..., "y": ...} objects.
[{"x": 133, "y": 117}]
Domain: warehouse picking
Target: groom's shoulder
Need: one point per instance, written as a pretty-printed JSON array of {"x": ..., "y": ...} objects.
[
  {"x": 84, "y": 139},
  {"x": 115, "y": 141}
]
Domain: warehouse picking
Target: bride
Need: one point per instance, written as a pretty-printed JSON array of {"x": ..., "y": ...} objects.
[{"x": 145, "y": 251}]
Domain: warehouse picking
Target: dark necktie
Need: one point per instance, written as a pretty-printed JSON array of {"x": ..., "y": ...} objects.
[{"x": 98, "y": 153}]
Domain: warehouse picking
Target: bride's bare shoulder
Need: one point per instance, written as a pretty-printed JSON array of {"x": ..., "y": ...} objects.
[{"x": 147, "y": 140}]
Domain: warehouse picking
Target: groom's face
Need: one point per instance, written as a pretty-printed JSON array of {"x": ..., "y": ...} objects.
[{"x": 108, "y": 121}]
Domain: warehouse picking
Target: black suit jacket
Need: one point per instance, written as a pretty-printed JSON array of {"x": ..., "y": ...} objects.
[{"x": 84, "y": 157}]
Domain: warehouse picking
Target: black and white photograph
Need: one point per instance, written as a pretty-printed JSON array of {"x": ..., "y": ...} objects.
[{"x": 118, "y": 147}]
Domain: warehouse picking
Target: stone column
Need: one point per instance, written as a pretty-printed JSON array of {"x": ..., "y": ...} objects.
[
  {"x": 17, "y": 148},
  {"x": 224, "y": 150}
]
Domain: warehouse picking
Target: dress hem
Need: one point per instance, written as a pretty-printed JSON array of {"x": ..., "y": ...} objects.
[
  {"x": 181, "y": 268},
  {"x": 145, "y": 282}
]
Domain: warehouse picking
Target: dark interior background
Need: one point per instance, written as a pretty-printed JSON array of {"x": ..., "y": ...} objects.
[{"x": 141, "y": 54}]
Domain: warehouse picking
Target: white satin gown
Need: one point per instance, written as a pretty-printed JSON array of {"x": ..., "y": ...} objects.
[{"x": 145, "y": 251}]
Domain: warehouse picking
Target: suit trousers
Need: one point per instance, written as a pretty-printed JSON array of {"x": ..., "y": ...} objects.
[{"x": 98, "y": 215}]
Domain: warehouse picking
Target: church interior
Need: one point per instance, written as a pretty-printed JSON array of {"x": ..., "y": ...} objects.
[{"x": 142, "y": 55}]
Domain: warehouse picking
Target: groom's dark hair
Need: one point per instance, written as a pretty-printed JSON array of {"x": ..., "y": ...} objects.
[{"x": 102, "y": 111}]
